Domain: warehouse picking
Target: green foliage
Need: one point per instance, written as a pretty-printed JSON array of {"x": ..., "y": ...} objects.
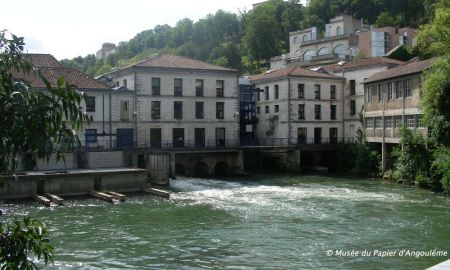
[
  {"x": 358, "y": 158},
  {"x": 402, "y": 53},
  {"x": 441, "y": 167},
  {"x": 21, "y": 242},
  {"x": 433, "y": 38},
  {"x": 385, "y": 19},
  {"x": 31, "y": 120},
  {"x": 413, "y": 159}
]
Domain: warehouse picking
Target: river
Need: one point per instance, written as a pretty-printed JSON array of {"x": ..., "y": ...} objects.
[{"x": 282, "y": 222}]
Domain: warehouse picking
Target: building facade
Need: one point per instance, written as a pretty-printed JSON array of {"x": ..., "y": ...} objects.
[
  {"x": 392, "y": 100},
  {"x": 247, "y": 111},
  {"x": 180, "y": 102},
  {"x": 355, "y": 72},
  {"x": 299, "y": 106}
]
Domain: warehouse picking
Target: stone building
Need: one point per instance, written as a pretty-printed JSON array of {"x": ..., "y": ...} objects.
[
  {"x": 299, "y": 106},
  {"x": 355, "y": 72},
  {"x": 344, "y": 38},
  {"x": 392, "y": 99},
  {"x": 180, "y": 102},
  {"x": 107, "y": 49},
  {"x": 108, "y": 109}
]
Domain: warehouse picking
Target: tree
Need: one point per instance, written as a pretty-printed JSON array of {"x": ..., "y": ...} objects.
[
  {"x": 19, "y": 239},
  {"x": 43, "y": 123},
  {"x": 31, "y": 120}
]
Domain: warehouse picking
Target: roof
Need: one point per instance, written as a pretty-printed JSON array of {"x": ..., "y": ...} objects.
[
  {"x": 178, "y": 62},
  {"x": 52, "y": 74},
  {"x": 291, "y": 71},
  {"x": 365, "y": 62},
  {"x": 39, "y": 60},
  {"x": 411, "y": 67}
]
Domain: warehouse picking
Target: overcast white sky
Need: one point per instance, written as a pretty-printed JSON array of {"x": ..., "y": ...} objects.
[{"x": 69, "y": 28}]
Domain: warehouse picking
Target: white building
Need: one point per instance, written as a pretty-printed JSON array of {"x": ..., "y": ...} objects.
[
  {"x": 299, "y": 106},
  {"x": 180, "y": 102}
]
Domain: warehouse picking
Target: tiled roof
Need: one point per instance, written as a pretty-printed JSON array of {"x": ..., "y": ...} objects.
[
  {"x": 291, "y": 71},
  {"x": 52, "y": 74},
  {"x": 411, "y": 67},
  {"x": 178, "y": 62},
  {"x": 42, "y": 60},
  {"x": 365, "y": 62}
]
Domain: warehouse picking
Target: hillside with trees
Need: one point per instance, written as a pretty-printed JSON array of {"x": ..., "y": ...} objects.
[{"x": 247, "y": 40}]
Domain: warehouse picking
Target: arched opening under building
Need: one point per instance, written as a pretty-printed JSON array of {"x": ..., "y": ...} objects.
[
  {"x": 180, "y": 169},
  {"x": 222, "y": 169},
  {"x": 201, "y": 169}
]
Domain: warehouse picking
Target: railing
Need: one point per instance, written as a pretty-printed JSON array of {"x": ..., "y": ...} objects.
[{"x": 209, "y": 144}]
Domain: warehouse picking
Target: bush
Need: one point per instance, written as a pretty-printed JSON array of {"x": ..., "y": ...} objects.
[{"x": 441, "y": 167}]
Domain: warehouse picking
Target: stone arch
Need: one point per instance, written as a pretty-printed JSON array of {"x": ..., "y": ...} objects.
[
  {"x": 222, "y": 169},
  {"x": 324, "y": 50},
  {"x": 308, "y": 55},
  {"x": 201, "y": 169},
  {"x": 340, "y": 50},
  {"x": 296, "y": 40},
  {"x": 180, "y": 169}
]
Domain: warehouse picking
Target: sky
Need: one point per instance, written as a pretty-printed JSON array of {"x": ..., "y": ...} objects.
[{"x": 70, "y": 28}]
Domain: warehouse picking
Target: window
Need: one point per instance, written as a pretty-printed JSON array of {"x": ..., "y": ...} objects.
[
  {"x": 308, "y": 55},
  {"x": 156, "y": 109},
  {"x": 352, "y": 87},
  {"x": 388, "y": 122},
  {"x": 220, "y": 106},
  {"x": 369, "y": 95},
  {"x": 178, "y": 87},
  {"x": 219, "y": 88},
  {"x": 178, "y": 109},
  {"x": 378, "y": 122},
  {"x": 124, "y": 111},
  {"x": 266, "y": 92},
  {"x": 332, "y": 91},
  {"x": 90, "y": 135},
  {"x": 317, "y": 91},
  {"x": 156, "y": 86},
  {"x": 379, "y": 93},
  {"x": 318, "y": 135},
  {"x": 90, "y": 104},
  {"x": 398, "y": 122},
  {"x": 301, "y": 111},
  {"x": 352, "y": 107},
  {"x": 333, "y": 135},
  {"x": 277, "y": 108},
  {"x": 198, "y": 88},
  {"x": 410, "y": 121},
  {"x": 258, "y": 97},
  {"x": 369, "y": 122},
  {"x": 276, "y": 94},
  {"x": 324, "y": 51},
  {"x": 220, "y": 137},
  {"x": 398, "y": 89},
  {"x": 258, "y": 109},
  {"x": 340, "y": 50},
  {"x": 199, "y": 110},
  {"x": 301, "y": 90},
  {"x": 333, "y": 112},
  {"x": 317, "y": 112},
  {"x": 338, "y": 31},
  {"x": 125, "y": 83},
  {"x": 407, "y": 87},
  {"x": 199, "y": 134},
  {"x": 266, "y": 109},
  {"x": 301, "y": 135},
  {"x": 389, "y": 91}
]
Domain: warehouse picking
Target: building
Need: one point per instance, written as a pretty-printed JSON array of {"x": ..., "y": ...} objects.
[
  {"x": 108, "y": 109},
  {"x": 181, "y": 102},
  {"x": 247, "y": 111},
  {"x": 299, "y": 106},
  {"x": 107, "y": 49},
  {"x": 392, "y": 99},
  {"x": 344, "y": 38},
  {"x": 355, "y": 72}
]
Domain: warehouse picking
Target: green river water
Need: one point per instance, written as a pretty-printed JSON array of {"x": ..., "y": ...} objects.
[{"x": 279, "y": 222}]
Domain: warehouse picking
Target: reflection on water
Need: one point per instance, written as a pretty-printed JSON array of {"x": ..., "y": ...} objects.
[{"x": 271, "y": 223}]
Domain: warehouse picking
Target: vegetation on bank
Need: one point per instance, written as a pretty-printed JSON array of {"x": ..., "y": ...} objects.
[
  {"x": 36, "y": 122},
  {"x": 426, "y": 161},
  {"x": 247, "y": 40}
]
